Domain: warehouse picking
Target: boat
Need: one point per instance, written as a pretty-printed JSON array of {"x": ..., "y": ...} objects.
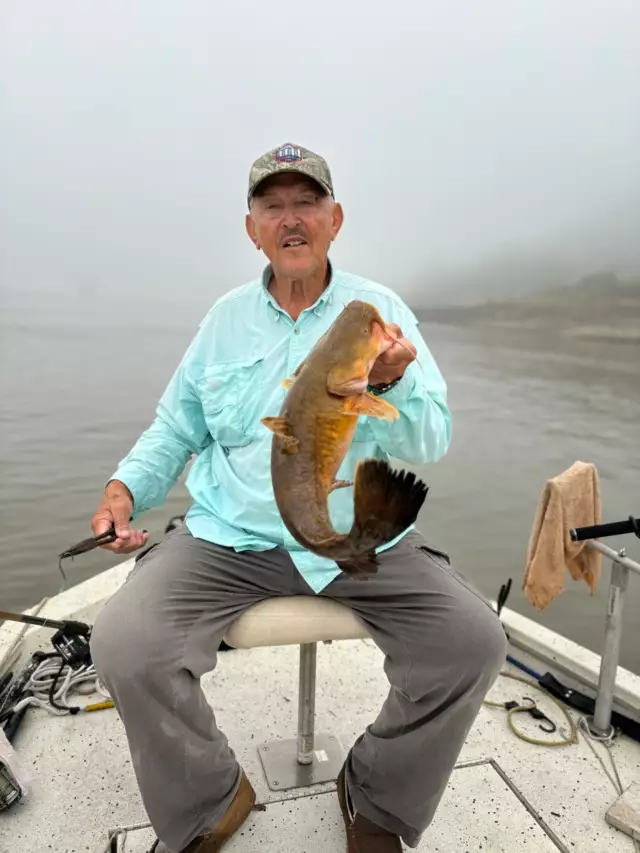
[{"x": 552, "y": 762}]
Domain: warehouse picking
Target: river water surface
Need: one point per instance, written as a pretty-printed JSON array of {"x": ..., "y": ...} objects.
[{"x": 78, "y": 386}]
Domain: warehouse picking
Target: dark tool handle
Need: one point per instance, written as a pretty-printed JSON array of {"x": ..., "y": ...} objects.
[
  {"x": 613, "y": 528},
  {"x": 69, "y": 625},
  {"x": 5, "y": 681},
  {"x": 13, "y": 723},
  {"x": 90, "y": 544},
  {"x": 503, "y": 595},
  {"x": 30, "y": 620}
]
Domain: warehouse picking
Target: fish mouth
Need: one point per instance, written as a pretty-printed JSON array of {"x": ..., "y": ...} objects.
[{"x": 383, "y": 337}]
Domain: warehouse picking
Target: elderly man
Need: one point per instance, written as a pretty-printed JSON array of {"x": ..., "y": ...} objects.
[{"x": 443, "y": 644}]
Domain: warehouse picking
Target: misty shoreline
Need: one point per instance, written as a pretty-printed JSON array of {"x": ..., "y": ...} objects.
[{"x": 599, "y": 308}]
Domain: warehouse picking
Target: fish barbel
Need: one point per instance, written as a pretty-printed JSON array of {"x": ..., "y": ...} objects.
[{"x": 312, "y": 434}]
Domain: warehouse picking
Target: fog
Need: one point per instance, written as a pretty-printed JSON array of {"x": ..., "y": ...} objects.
[{"x": 457, "y": 133}]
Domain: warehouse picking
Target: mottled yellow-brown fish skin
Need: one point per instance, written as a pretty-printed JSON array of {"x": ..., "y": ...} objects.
[{"x": 313, "y": 432}]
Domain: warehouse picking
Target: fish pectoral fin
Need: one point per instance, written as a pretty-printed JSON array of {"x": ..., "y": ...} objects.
[
  {"x": 281, "y": 428},
  {"x": 340, "y": 484},
  {"x": 369, "y": 404},
  {"x": 278, "y": 425}
]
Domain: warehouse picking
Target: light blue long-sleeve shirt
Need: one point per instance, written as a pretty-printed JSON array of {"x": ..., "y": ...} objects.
[{"x": 229, "y": 379}]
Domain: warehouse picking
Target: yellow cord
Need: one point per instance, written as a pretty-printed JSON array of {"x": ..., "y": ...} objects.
[
  {"x": 99, "y": 706},
  {"x": 521, "y": 708}
]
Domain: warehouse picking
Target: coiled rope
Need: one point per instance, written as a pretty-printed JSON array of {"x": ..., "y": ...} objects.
[
  {"x": 52, "y": 682},
  {"x": 565, "y": 741}
]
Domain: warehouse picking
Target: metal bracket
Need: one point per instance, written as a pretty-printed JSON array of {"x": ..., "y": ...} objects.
[{"x": 284, "y": 771}]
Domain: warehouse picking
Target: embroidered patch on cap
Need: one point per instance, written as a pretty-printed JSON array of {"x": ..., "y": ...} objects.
[{"x": 288, "y": 153}]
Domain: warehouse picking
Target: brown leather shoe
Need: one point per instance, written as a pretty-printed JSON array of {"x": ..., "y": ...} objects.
[
  {"x": 363, "y": 836},
  {"x": 231, "y": 821}
]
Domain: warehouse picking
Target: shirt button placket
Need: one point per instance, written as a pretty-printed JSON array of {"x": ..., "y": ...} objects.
[{"x": 296, "y": 355}]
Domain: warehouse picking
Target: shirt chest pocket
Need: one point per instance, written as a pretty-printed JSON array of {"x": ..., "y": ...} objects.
[{"x": 232, "y": 400}]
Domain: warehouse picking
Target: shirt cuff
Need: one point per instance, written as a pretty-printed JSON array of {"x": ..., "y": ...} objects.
[
  {"x": 402, "y": 390},
  {"x": 138, "y": 484}
]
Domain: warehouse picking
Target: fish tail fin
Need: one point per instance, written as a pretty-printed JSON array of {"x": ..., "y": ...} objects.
[
  {"x": 360, "y": 566},
  {"x": 387, "y": 502}
]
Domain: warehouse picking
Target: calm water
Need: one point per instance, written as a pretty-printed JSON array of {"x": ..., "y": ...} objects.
[{"x": 78, "y": 385}]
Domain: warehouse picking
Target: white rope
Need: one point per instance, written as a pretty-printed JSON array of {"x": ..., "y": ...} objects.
[{"x": 82, "y": 681}]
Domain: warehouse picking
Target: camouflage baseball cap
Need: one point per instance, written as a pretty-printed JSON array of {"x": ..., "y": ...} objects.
[{"x": 290, "y": 158}]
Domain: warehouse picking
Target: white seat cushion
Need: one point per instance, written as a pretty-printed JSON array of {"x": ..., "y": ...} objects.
[{"x": 292, "y": 620}]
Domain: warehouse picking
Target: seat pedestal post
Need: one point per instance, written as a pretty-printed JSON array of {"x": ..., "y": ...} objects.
[{"x": 310, "y": 758}]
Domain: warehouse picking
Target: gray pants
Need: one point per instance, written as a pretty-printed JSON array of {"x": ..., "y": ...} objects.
[{"x": 155, "y": 638}]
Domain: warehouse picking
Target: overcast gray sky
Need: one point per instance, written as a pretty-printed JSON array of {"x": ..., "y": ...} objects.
[{"x": 454, "y": 130}]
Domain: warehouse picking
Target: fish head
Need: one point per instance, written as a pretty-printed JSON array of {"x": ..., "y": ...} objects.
[
  {"x": 358, "y": 337},
  {"x": 364, "y": 329}
]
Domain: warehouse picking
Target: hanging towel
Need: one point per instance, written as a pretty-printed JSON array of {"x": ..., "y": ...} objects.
[{"x": 572, "y": 499}]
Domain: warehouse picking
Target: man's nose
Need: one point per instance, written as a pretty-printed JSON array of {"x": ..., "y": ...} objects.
[
  {"x": 291, "y": 221},
  {"x": 291, "y": 217}
]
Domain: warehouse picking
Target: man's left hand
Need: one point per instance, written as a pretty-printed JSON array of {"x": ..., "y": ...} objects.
[{"x": 392, "y": 364}]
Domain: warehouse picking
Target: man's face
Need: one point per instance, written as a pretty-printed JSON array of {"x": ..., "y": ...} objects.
[{"x": 294, "y": 222}]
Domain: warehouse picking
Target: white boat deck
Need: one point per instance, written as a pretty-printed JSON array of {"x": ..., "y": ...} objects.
[{"x": 505, "y": 796}]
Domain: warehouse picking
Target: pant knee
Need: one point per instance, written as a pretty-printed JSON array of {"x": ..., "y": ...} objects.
[
  {"x": 117, "y": 645},
  {"x": 484, "y": 647},
  {"x": 464, "y": 656}
]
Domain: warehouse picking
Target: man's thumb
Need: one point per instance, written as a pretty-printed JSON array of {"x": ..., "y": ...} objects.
[{"x": 121, "y": 512}]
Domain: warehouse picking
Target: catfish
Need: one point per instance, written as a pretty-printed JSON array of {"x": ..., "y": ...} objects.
[{"x": 313, "y": 432}]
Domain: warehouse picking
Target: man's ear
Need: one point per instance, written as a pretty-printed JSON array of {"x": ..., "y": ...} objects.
[
  {"x": 250, "y": 227},
  {"x": 337, "y": 218}
]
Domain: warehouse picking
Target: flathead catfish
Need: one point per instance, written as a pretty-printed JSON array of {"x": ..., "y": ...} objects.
[{"x": 312, "y": 434}]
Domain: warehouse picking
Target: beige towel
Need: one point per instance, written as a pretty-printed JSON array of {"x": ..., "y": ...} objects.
[{"x": 572, "y": 499}]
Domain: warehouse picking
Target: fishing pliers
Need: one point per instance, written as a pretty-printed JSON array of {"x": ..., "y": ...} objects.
[{"x": 90, "y": 543}]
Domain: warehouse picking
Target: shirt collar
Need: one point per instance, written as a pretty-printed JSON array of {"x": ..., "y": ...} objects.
[{"x": 325, "y": 298}]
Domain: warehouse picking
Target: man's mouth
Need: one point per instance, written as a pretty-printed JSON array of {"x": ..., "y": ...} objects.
[{"x": 292, "y": 242}]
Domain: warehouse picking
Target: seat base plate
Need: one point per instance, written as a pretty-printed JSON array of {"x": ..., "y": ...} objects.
[{"x": 283, "y": 772}]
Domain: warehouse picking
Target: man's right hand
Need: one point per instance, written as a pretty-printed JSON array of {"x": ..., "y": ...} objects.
[{"x": 116, "y": 508}]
